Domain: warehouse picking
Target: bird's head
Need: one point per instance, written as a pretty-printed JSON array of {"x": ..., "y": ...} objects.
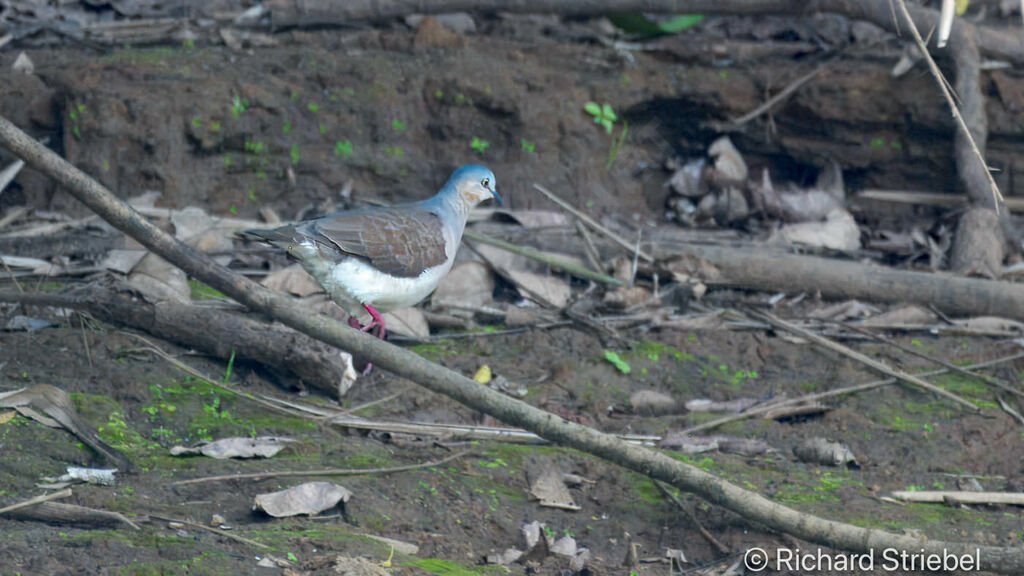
[{"x": 474, "y": 184}]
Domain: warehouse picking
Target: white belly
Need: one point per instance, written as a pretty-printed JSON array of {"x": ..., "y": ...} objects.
[{"x": 353, "y": 282}]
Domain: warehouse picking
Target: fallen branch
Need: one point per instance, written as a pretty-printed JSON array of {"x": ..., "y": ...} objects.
[
  {"x": 656, "y": 465},
  {"x": 958, "y": 497},
  {"x": 213, "y": 331},
  {"x": 37, "y": 500},
  {"x": 630, "y": 248}
]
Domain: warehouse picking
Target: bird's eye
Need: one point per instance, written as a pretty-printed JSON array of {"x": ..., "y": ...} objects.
[{"x": 486, "y": 182}]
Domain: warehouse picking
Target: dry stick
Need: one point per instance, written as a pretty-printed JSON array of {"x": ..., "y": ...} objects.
[
  {"x": 593, "y": 256},
  {"x": 722, "y": 548},
  {"x": 997, "y": 196},
  {"x": 1012, "y": 203},
  {"x": 778, "y": 97},
  {"x": 224, "y": 533},
  {"x": 768, "y": 407},
  {"x": 957, "y": 497},
  {"x": 327, "y": 472},
  {"x": 549, "y": 259},
  {"x": 863, "y": 359},
  {"x": 948, "y": 365},
  {"x": 37, "y": 500},
  {"x": 752, "y": 506},
  {"x": 594, "y": 223}
]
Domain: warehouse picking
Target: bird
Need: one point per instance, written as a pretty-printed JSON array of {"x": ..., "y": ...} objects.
[{"x": 381, "y": 258}]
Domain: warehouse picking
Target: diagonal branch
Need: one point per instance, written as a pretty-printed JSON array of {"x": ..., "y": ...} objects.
[{"x": 438, "y": 379}]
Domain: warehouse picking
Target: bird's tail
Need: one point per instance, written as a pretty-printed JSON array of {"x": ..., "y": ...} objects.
[{"x": 282, "y": 235}]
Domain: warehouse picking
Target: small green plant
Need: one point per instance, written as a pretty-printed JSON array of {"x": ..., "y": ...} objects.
[
  {"x": 395, "y": 151},
  {"x": 295, "y": 154},
  {"x": 238, "y": 107},
  {"x": 438, "y": 94},
  {"x": 323, "y": 129},
  {"x": 479, "y": 145},
  {"x": 215, "y": 126},
  {"x": 605, "y": 116},
  {"x": 255, "y": 147},
  {"x": 287, "y": 126},
  {"x": 617, "y": 361},
  {"x": 231, "y": 366},
  {"x": 398, "y": 125},
  {"x": 313, "y": 107},
  {"x": 343, "y": 148},
  {"x": 228, "y": 161},
  {"x": 197, "y": 122},
  {"x": 527, "y": 145}
]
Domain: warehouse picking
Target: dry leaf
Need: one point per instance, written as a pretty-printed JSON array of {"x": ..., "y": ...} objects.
[
  {"x": 408, "y": 322},
  {"x": 53, "y": 407},
  {"x": 236, "y": 447},
  {"x": 310, "y": 499},
  {"x": 839, "y": 231},
  {"x": 292, "y": 280},
  {"x": 468, "y": 284},
  {"x": 160, "y": 280},
  {"x": 550, "y": 489}
]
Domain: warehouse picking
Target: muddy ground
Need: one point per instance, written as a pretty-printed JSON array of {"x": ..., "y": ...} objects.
[{"x": 390, "y": 112}]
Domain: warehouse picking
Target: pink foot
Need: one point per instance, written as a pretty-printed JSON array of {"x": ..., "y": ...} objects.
[{"x": 377, "y": 322}]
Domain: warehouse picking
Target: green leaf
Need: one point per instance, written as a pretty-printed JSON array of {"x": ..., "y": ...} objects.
[
  {"x": 594, "y": 109},
  {"x": 608, "y": 113},
  {"x": 617, "y": 360},
  {"x": 680, "y": 23}
]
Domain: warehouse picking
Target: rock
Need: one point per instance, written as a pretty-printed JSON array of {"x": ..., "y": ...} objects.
[
  {"x": 627, "y": 297},
  {"x": 23, "y": 64},
  {"x": 432, "y": 34},
  {"x": 468, "y": 284},
  {"x": 458, "y": 22},
  {"x": 686, "y": 181}
]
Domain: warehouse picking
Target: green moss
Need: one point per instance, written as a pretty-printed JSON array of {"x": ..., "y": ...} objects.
[
  {"x": 447, "y": 568},
  {"x": 201, "y": 291}
]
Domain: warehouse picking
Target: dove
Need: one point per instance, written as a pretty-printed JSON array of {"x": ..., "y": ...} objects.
[{"x": 386, "y": 258}]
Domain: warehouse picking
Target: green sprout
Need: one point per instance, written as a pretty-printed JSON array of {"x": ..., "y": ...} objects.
[
  {"x": 479, "y": 145},
  {"x": 603, "y": 115},
  {"x": 295, "y": 154},
  {"x": 398, "y": 125},
  {"x": 343, "y": 148},
  {"x": 312, "y": 107},
  {"x": 287, "y": 126},
  {"x": 527, "y": 145},
  {"x": 617, "y": 361},
  {"x": 238, "y": 106},
  {"x": 395, "y": 151}
]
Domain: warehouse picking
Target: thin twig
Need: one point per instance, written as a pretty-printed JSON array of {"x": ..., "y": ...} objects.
[
  {"x": 588, "y": 246},
  {"x": 37, "y": 500},
  {"x": 554, "y": 261},
  {"x": 150, "y": 347},
  {"x": 767, "y": 407},
  {"x": 593, "y": 223},
  {"x": 224, "y": 533},
  {"x": 771, "y": 102},
  {"x": 327, "y": 472},
  {"x": 997, "y": 196},
  {"x": 948, "y": 365},
  {"x": 862, "y": 358},
  {"x": 722, "y": 548}
]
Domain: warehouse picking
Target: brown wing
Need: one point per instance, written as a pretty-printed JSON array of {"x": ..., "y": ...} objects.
[{"x": 401, "y": 241}]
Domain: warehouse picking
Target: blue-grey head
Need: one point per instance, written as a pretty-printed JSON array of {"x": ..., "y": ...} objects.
[{"x": 473, "y": 184}]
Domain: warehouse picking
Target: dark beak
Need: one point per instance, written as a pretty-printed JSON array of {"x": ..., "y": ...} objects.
[{"x": 497, "y": 197}]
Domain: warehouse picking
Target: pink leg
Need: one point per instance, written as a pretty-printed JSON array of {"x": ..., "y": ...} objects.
[
  {"x": 377, "y": 322},
  {"x": 354, "y": 322}
]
